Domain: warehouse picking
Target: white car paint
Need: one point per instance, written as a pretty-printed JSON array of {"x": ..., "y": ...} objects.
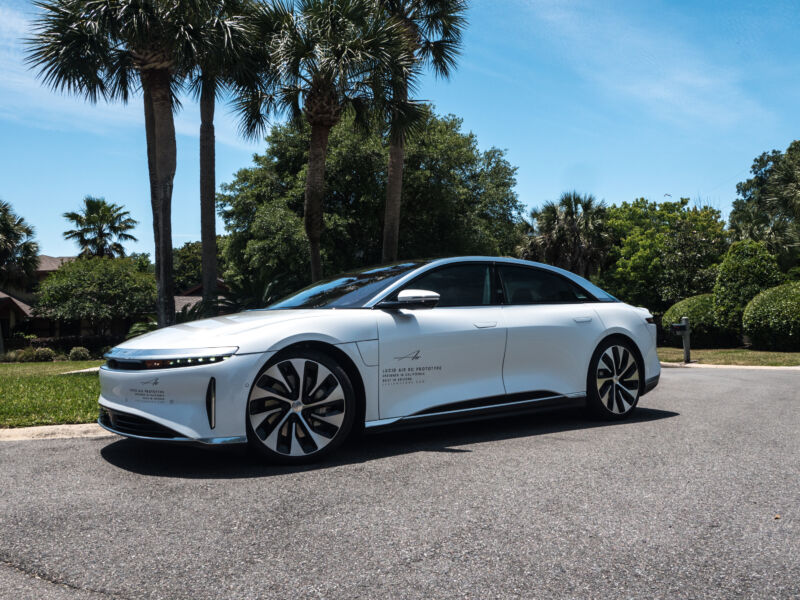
[{"x": 454, "y": 355}]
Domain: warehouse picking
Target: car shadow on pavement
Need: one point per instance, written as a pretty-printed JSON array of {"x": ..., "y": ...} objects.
[{"x": 237, "y": 462}]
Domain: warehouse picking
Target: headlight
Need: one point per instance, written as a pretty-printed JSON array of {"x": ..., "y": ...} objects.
[{"x": 132, "y": 360}]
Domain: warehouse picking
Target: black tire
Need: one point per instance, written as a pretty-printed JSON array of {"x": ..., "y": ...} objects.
[
  {"x": 301, "y": 408},
  {"x": 615, "y": 380}
]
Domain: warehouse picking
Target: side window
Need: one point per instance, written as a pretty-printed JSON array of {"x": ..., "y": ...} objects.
[
  {"x": 458, "y": 285},
  {"x": 522, "y": 285}
]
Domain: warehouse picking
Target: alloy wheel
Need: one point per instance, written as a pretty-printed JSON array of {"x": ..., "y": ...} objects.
[
  {"x": 617, "y": 379},
  {"x": 296, "y": 407}
]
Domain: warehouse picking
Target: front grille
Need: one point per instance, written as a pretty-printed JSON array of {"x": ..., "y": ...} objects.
[{"x": 130, "y": 424}]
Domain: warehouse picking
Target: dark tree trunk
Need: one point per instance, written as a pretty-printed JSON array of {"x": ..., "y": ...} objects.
[
  {"x": 394, "y": 192},
  {"x": 161, "y": 159},
  {"x": 208, "y": 233},
  {"x": 315, "y": 191}
]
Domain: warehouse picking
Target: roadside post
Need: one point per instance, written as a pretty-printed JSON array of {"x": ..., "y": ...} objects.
[{"x": 684, "y": 330}]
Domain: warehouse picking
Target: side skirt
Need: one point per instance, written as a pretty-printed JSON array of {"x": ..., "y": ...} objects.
[{"x": 482, "y": 408}]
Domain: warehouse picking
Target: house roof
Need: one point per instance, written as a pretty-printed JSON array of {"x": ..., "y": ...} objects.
[
  {"x": 51, "y": 263},
  {"x": 182, "y": 301},
  {"x": 25, "y": 309}
]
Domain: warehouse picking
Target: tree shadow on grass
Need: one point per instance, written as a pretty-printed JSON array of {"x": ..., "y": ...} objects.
[{"x": 237, "y": 462}]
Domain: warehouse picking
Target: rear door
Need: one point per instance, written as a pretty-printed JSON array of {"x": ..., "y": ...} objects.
[
  {"x": 552, "y": 331},
  {"x": 430, "y": 358}
]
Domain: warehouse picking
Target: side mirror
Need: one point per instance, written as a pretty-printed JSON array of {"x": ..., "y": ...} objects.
[{"x": 411, "y": 299}]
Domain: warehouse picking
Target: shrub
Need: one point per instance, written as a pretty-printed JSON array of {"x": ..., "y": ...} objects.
[
  {"x": 26, "y": 355},
  {"x": 10, "y": 356},
  {"x": 700, "y": 310},
  {"x": 43, "y": 355},
  {"x": 79, "y": 353},
  {"x": 772, "y": 319},
  {"x": 747, "y": 269}
]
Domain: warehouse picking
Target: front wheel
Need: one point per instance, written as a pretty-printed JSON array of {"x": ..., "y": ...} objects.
[
  {"x": 614, "y": 381},
  {"x": 301, "y": 408}
]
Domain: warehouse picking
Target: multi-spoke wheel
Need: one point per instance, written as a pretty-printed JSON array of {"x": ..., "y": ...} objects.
[
  {"x": 301, "y": 406},
  {"x": 614, "y": 380}
]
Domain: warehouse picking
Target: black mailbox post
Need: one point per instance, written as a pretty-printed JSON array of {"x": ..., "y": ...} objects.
[{"x": 682, "y": 329}]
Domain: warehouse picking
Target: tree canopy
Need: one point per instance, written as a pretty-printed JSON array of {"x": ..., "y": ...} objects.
[
  {"x": 100, "y": 228},
  {"x": 18, "y": 250},
  {"x": 458, "y": 199}
]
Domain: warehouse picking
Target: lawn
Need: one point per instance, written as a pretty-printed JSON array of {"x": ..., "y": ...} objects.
[
  {"x": 37, "y": 393},
  {"x": 734, "y": 356}
]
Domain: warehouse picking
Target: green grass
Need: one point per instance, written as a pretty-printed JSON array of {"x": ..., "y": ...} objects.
[
  {"x": 37, "y": 393},
  {"x": 733, "y": 356}
]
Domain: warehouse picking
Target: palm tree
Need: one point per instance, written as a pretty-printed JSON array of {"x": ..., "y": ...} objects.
[
  {"x": 19, "y": 253},
  {"x": 329, "y": 56},
  {"x": 222, "y": 61},
  {"x": 100, "y": 228},
  {"x": 570, "y": 234},
  {"x": 107, "y": 49},
  {"x": 433, "y": 29}
]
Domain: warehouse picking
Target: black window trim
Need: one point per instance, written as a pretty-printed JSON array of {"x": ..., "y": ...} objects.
[{"x": 590, "y": 298}]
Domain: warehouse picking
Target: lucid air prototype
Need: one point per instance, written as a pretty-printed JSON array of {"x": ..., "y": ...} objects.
[{"x": 395, "y": 345}]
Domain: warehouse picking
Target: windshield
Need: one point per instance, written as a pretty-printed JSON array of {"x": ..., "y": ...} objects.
[{"x": 349, "y": 290}]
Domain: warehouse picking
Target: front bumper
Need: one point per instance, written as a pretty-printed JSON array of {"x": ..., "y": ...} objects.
[{"x": 172, "y": 404}]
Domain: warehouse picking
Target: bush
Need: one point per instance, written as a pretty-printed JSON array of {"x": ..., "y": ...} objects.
[
  {"x": 26, "y": 355},
  {"x": 747, "y": 269},
  {"x": 43, "y": 355},
  {"x": 10, "y": 356},
  {"x": 79, "y": 353},
  {"x": 772, "y": 319},
  {"x": 705, "y": 333}
]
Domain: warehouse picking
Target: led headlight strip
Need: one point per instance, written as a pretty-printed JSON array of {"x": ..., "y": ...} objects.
[{"x": 133, "y": 360}]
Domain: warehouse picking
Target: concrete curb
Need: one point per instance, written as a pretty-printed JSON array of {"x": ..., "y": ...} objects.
[
  {"x": 52, "y": 432},
  {"x": 672, "y": 365},
  {"x": 89, "y": 370}
]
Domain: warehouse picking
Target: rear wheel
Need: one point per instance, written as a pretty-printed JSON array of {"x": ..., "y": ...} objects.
[
  {"x": 301, "y": 408},
  {"x": 614, "y": 381}
]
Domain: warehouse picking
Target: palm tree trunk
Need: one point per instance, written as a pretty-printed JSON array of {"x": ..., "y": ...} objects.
[
  {"x": 394, "y": 192},
  {"x": 161, "y": 162},
  {"x": 208, "y": 233},
  {"x": 315, "y": 191}
]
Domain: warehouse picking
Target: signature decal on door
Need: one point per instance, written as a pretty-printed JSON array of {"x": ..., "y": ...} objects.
[
  {"x": 415, "y": 355},
  {"x": 408, "y": 375}
]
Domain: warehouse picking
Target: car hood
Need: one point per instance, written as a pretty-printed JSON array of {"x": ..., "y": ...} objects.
[{"x": 260, "y": 330}]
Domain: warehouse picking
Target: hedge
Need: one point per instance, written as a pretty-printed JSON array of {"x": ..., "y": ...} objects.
[
  {"x": 772, "y": 319},
  {"x": 705, "y": 332}
]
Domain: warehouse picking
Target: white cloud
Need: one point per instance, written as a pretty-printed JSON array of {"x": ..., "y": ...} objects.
[
  {"x": 24, "y": 99},
  {"x": 643, "y": 62}
]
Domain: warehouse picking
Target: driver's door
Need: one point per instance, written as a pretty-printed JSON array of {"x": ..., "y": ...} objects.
[{"x": 430, "y": 358}]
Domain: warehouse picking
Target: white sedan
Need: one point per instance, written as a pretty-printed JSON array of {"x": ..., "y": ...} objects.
[{"x": 396, "y": 345}]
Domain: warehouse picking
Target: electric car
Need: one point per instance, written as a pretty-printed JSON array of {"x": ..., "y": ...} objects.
[{"x": 390, "y": 346}]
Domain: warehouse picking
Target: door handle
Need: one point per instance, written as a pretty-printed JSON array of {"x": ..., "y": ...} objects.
[
  {"x": 485, "y": 324},
  {"x": 583, "y": 319}
]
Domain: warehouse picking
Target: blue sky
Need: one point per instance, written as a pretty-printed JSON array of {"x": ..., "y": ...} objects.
[{"x": 620, "y": 100}]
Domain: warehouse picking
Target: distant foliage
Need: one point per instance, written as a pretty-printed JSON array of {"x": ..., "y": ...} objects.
[
  {"x": 43, "y": 355},
  {"x": 747, "y": 269},
  {"x": 18, "y": 250},
  {"x": 98, "y": 290},
  {"x": 457, "y": 199},
  {"x": 188, "y": 264},
  {"x": 772, "y": 319},
  {"x": 79, "y": 353},
  {"x": 704, "y": 331}
]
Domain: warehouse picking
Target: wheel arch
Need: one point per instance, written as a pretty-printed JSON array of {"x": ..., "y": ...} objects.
[{"x": 343, "y": 359}]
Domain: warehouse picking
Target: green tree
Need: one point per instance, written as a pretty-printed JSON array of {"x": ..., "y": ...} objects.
[
  {"x": 19, "y": 253},
  {"x": 747, "y": 269},
  {"x": 107, "y": 49},
  {"x": 188, "y": 266},
  {"x": 100, "y": 228},
  {"x": 662, "y": 252},
  {"x": 98, "y": 290},
  {"x": 458, "y": 200},
  {"x": 768, "y": 205},
  {"x": 329, "y": 56},
  {"x": 433, "y": 29},
  {"x": 570, "y": 234}
]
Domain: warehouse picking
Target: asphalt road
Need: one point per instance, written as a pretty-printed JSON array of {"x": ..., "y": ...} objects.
[{"x": 679, "y": 502}]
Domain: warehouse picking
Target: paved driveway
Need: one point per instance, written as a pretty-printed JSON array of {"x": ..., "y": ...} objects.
[{"x": 681, "y": 501}]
